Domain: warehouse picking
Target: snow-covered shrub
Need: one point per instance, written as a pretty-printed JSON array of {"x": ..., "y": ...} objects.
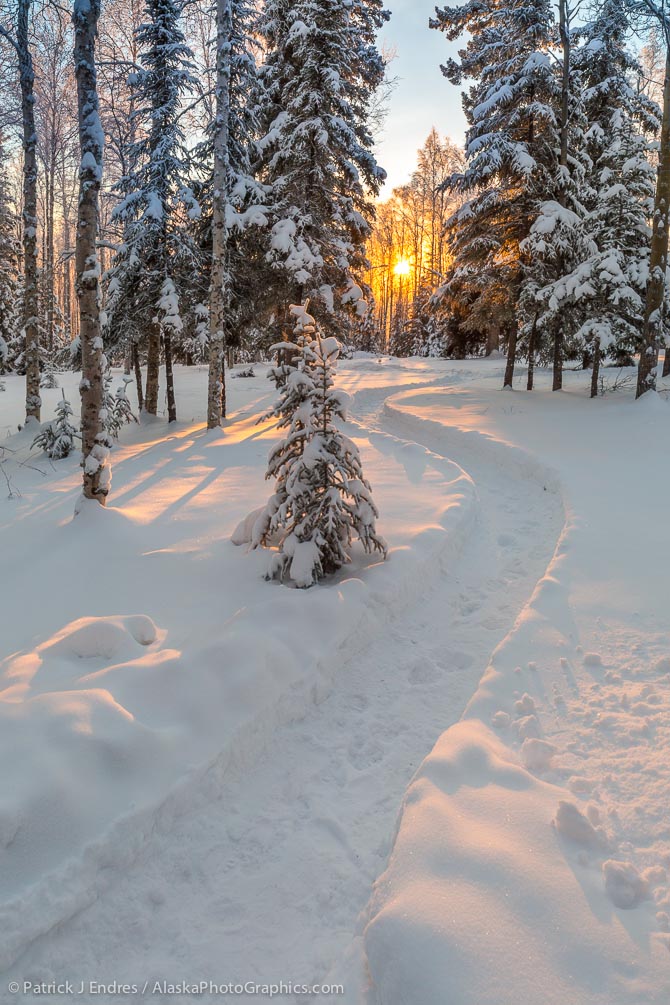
[
  {"x": 49, "y": 380},
  {"x": 248, "y": 371},
  {"x": 321, "y": 500},
  {"x": 57, "y": 438},
  {"x": 117, "y": 411}
]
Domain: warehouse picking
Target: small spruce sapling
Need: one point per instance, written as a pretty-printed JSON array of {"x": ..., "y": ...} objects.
[
  {"x": 117, "y": 410},
  {"x": 322, "y": 499},
  {"x": 292, "y": 413},
  {"x": 57, "y": 438}
]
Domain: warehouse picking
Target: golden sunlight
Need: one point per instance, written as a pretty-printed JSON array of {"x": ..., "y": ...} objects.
[{"x": 402, "y": 268}]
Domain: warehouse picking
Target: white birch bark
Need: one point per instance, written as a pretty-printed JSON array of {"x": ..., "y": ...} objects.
[
  {"x": 95, "y": 443},
  {"x": 216, "y": 399}
]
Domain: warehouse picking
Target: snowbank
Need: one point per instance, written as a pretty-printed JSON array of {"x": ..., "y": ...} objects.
[
  {"x": 530, "y": 858},
  {"x": 111, "y": 720}
]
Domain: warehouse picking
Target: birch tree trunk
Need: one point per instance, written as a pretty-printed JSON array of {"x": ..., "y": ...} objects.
[
  {"x": 169, "y": 378},
  {"x": 30, "y": 270},
  {"x": 95, "y": 443},
  {"x": 658, "y": 262},
  {"x": 218, "y": 292}
]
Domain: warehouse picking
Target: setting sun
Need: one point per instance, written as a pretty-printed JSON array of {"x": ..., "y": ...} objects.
[{"x": 403, "y": 268}]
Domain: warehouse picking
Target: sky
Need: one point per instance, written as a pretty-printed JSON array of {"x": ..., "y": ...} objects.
[{"x": 423, "y": 97}]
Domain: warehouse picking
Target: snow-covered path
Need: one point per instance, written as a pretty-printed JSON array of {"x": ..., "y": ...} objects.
[{"x": 264, "y": 883}]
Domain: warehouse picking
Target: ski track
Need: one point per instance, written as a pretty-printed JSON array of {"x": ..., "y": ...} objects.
[{"x": 265, "y": 883}]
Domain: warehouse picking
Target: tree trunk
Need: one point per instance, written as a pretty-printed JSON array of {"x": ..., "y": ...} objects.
[
  {"x": 66, "y": 267},
  {"x": 30, "y": 270},
  {"x": 511, "y": 358},
  {"x": 49, "y": 269},
  {"x": 492, "y": 340},
  {"x": 95, "y": 443},
  {"x": 138, "y": 377},
  {"x": 169, "y": 379},
  {"x": 564, "y": 31},
  {"x": 531, "y": 355},
  {"x": 666, "y": 362},
  {"x": 218, "y": 292},
  {"x": 658, "y": 261},
  {"x": 597, "y": 356},
  {"x": 153, "y": 365},
  {"x": 557, "y": 383}
]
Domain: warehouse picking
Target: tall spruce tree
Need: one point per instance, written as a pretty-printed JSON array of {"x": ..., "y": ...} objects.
[
  {"x": 511, "y": 150},
  {"x": 158, "y": 205},
  {"x": 20, "y": 41},
  {"x": 605, "y": 290},
  {"x": 653, "y": 15},
  {"x": 235, "y": 196},
  {"x": 320, "y": 78},
  {"x": 9, "y": 269}
]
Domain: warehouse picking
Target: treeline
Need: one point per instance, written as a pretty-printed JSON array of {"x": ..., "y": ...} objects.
[
  {"x": 559, "y": 249},
  {"x": 548, "y": 238},
  {"x": 409, "y": 256},
  {"x": 188, "y": 172}
]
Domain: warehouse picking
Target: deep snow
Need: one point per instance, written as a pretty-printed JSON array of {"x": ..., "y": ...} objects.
[{"x": 208, "y": 767}]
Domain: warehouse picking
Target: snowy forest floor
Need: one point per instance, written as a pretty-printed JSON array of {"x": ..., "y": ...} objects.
[{"x": 207, "y": 770}]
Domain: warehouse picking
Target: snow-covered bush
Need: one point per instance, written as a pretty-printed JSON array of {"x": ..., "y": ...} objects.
[
  {"x": 49, "y": 380},
  {"x": 57, "y": 438},
  {"x": 321, "y": 500},
  {"x": 118, "y": 411}
]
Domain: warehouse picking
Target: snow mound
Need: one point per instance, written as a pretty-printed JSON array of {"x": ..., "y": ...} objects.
[
  {"x": 475, "y": 882},
  {"x": 243, "y": 533},
  {"x": 105, "y": 638}
]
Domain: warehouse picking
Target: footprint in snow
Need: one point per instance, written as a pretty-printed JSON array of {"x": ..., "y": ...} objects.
[
  {"x": 364, "y": 751},
  {"x": 424, "y": 671}
]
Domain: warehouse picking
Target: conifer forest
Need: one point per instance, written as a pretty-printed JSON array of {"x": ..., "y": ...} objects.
[{"x": 334, "y": 487}]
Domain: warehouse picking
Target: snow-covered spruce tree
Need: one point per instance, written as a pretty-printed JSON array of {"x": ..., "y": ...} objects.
[
  {"x": 20, "y": 41},
  {"x": 236, "y": 196},
  {"x": 653, "y": 15},
  {"x": 605, "y": 292},
  {"x": 292, "y": 377},
  {"x": 511, "y": 151},
  {"x": 9, "y": 269},
  {"x": 117, "y": 409},
  {"x": 322, "y": 500},
  {"x": 580, "y": 290},
  {"x": 320, "y": 77},
  {"x": 95, "y": 442},
  {"x": 57, "y": 438},
  {"x": 158, "y": 205}
]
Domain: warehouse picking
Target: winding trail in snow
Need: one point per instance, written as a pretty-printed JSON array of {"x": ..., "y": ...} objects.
[{"x": 265, "y": 883}]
